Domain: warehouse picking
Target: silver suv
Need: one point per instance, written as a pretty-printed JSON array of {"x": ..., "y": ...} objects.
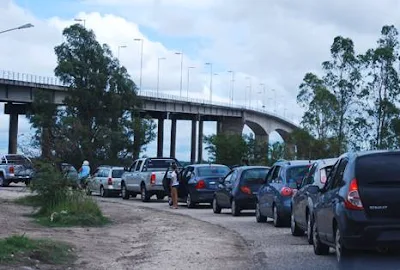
[{"x": 106, "y": 180}]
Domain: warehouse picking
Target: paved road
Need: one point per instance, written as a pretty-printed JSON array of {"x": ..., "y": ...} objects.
[{"x": 271, "y": 248}]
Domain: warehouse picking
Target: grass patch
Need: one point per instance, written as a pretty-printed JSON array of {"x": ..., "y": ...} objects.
[
  {"x": 59, "y": 206},
  {"x": 21, "y": 249}
]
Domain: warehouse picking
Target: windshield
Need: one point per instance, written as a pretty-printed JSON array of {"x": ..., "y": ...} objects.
[
  {"x": 296, "y": 173},
  {"x": 117, "y": 173},
  {"x": 378, "y": 169},
  {"x": 254, "y": 176},
  {"x": 217, "y": 171}
]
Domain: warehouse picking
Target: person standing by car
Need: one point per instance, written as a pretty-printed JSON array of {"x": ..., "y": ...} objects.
[
  {"x": 174, "y": 186},
  {"x": 84, "y": 173}
]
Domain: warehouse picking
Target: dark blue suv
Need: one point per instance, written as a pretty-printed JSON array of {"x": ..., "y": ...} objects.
[{"x": 274, "y": 196}]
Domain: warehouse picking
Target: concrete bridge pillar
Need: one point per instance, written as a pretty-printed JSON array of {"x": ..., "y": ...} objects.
[
  {"x": 230, "y": 125},
  {"x": 193, "y": 142},
  {"x": 13, "y": 110},
  {"x": 200, "y": 142},
  {"x": 160, "y": 136},
  {"x": 173, "y": 138}
]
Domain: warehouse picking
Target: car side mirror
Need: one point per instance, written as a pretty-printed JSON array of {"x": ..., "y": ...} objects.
[
  {"x": 313, "y": 189},
  {"x": 221, "y": 180},
  {"x": 125, "y": 169}
]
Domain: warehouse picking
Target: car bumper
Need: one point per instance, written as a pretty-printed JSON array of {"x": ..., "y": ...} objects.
[
  {"x": 18, "y": 178},
  {"x": 152, "y": 188},
  {"x": 202, "y": 196},
  {"x": 246, "y": 203}
]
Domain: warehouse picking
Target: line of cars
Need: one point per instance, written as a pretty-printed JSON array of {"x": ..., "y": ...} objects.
[{"x": 345, "y": 203}]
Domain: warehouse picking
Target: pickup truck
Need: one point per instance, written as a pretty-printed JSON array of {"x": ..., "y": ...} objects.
[
  {"x": 145, "y": 177},
  {"x": 14, "y": 169}
]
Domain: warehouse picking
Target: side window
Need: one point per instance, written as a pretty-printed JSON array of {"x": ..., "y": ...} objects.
[
  {"x": 228, "y": 178},
  {"x": 276, "y": 175},
  {"x": 310, "y": 176},
  {"x": 96, "y": 172},
  {"x": 3, "y": 160},
  {"x": 337, "y": 180},
  {"x": 269, "y": 175},
  {"x": 132, "y": 168},
  {"x": 139, "y": 163}
]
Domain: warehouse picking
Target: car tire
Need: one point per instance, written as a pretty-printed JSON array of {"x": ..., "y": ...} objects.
[
  {"x": 259, "y": 217},
  {"x": 103, "y": 193},
  {"x": 342, "y": 253},
  {"x": 124, "y": 192},
  {"x": 160, "y": 197},
  {"x": 189, "y": 201},
  {"x": 216, "y": 208},
  {"x": 319, "y": 247},
  {"x": 235, "y": 208},
  {"x": 28, "y": 183},
  {"x": 88, "y": 191},
  {"x": 294, "y": 228},
  {"x": 144, "y": 195},
  {"x": 310, "y": 228},
  {"x": 3, "y": 182},
  {"x": 277, "y": 219}
]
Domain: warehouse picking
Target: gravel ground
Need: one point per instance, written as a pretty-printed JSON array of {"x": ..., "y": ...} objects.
[{"x": 139, "y": 238}]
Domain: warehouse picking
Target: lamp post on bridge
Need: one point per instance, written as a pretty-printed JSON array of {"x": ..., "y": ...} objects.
[
  {"x": 232, "y": 84},
  {"x": 180, "y": 88},
  {"x": 273, "y": 90},
  {"x": 81, "y": 20},
  {"x": 211, "y": 77},
  {"x": 28, "y": 25},
  {"x": 141, "y": 62},
  {"x": 188, "y": 78},
  {"x": 263, "y": 91},
  {"x": 158, "y": 73},
  {"x": 119, "y": 48}
]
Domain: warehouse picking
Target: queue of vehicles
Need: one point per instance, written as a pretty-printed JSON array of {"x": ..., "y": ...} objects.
[{"x": 346, "y": 203}]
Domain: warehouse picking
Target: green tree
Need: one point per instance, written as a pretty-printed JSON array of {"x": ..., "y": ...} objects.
[
  {"x": 226, "y": 148},
  {"x": 343, "y": 79},
  {"x": 381, "y": 91},
  {"x": 98, "y": 121},
  {"x": 257, "y": 150}
]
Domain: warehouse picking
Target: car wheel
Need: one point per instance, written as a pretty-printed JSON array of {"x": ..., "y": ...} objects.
[
  {"x": 103, "y": 192},
  {"x": 235, "y": 209},
  {"x": 189, "y": 202},
  {"x": 259, "y": 217},
  {"x": 124, "y": 192},
  {"x": 342, "y": 253},
  {"x": 88, "y": 191},
  {"x": 296, "y": 231},
  {"x": 309, "y": 229},
  {"x": 277, "y": 218},
  {"x": 144, "y": 195},
  {"x": 27, "y": 183},
  {"x": 216, "y": 208},
  {"x": 3, "y": 182},
  {"x": 319, "y": 247},
  {"x": 160, "y": 197}
]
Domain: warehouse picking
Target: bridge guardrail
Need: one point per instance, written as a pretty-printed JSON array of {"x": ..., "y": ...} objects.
[{"x": 31, "y": 78}]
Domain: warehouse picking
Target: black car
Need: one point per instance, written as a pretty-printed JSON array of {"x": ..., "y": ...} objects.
[
  {"x": 198, "y": 182},
  {"x": 275, "y": 196},
  {"x": 238, "y": 190},
  {"x": 303, "y": 201},
  {"x": 358, "y": 207}
]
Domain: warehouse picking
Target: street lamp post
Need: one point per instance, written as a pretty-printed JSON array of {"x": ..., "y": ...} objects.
[
  {"x": 180, "y": 88},
  {"x": 188, "y": 78},
  {"x": 232, "y": 84},
  {"x": 273, "y": 90},
  {"x": 81, "y": 20},
  {"x": 158, "y": 73},
  {"x": 211, "y": 77},
  {"x": 263, "y": 91},
  {"x": 141, "y": 62},
  {"x": 248, "y": 86},
  {"x": 119, "y": 47},
  {"x": 28, "y": 25}
]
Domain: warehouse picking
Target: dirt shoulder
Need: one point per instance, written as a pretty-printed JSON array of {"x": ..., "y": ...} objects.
[{"x": 139, "y": 238}]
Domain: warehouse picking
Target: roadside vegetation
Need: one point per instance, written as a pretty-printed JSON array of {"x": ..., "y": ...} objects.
[
  {"x": 19, "y": 249},
  {"x": 58, "y": 205}
]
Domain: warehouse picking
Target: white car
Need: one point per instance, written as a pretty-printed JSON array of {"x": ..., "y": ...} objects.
[{"x": 106, "y": 180}]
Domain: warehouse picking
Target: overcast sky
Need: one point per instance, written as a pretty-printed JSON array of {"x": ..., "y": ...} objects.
[{"x": 274, "y": 42}]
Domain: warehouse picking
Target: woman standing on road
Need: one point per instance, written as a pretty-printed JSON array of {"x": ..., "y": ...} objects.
[{"x": 174, "y": 186}]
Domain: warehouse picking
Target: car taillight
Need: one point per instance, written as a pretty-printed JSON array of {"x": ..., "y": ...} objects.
[
  {"x": 245, "y": 190},
  {"x": 109, "y": 182},
  {"x": 152, "y": 179},
  {"x": 200, "y": 184},
  {"x": 353, "y": 200},
  {"x": 11, "y": 169},
  {"x": 286, "y": 191}
]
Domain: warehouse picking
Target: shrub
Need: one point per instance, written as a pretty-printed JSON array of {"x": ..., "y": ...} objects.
[{"x": 59, "y": 205}]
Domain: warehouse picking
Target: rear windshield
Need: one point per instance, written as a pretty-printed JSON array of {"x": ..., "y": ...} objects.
[
  {"x": 219, "y": 171},
  {"x": 297, "y": 173},
  {"x": 375, "y": 169},
  {"x": 254, "y": 176},
  {"x": 160, "y": 163},
  {"x": 117, "y": 173}
]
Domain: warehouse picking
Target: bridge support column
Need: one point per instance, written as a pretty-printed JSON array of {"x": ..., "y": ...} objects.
[
  {"x": 13, "y": 110},
  {"x": 160, "y": 137},
  {"x": 200, "y": 142},
  {"x": 193, "y": 142},
  {"x": 230, "y": 125},
  {"x": 173, "y": 138}
]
